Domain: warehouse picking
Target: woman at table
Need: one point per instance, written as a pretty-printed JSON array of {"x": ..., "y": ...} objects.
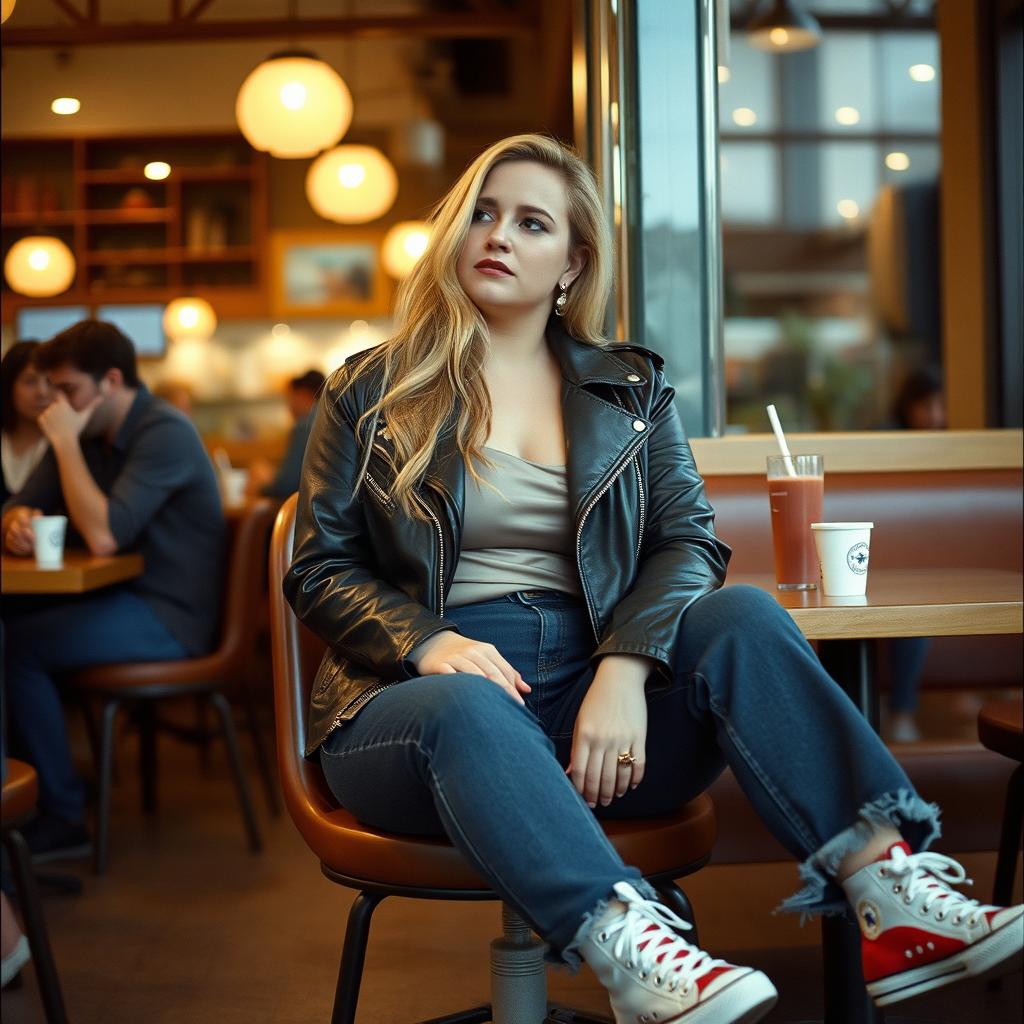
[
  {"x": 504, "y": 541},
  {"x": 26, "y": 393}
]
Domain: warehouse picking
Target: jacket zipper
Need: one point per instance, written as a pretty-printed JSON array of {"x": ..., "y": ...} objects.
[
  {"x": 630, "y": 451},
  {"x": 640, "y": 486},
  {"x": 440, "y": 560},
  {"x": 381, "y": 494},
  {"x": 357, "y": 702}
]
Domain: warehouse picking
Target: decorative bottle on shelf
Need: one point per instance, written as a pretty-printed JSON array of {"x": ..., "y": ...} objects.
[{"x": 197, "y": 229}]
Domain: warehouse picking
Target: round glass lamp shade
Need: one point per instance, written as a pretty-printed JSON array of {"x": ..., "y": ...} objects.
[
  {"x": 784, "y": 27},
  {"x": 351, "y": 184},
  {"x": 39, "y": 266},
  {"x": 6, "y": 10},
  {"x": 189, "y": 319},
  {"x": 293, "y": 105},
  {"x": 403, "y": 245}
]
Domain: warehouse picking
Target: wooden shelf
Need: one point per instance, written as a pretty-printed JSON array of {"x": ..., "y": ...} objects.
[
  {"x": 142, "y": 215},
  {"x": 208, "y": 170},
  {"x": 134, "y": 176},
  {"x": 53, "y": 219},
  {"x": 114, "y": 257}
]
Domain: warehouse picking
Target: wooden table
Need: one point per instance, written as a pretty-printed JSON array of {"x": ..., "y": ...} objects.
[
  {"x": 899, "y": 603},
  {"x": 81, "y": 572}
]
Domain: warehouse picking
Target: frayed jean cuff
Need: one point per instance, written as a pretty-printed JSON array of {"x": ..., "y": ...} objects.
[
  {"x": 570, "y": 956},
  {"x": 915, "y": 819}
]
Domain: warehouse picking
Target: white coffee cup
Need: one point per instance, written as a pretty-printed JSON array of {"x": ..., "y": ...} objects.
[
  {"x": 844, "y": 551},
  {"x": 233, "y": 483},
  {"x": 49, "y": 534}
]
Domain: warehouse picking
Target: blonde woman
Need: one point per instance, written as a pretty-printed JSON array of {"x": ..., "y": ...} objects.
[{"x": 504, "y": 541}]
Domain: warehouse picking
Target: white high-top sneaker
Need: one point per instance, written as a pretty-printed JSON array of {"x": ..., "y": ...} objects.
[
  {"x": 918, "y": 934},
  {"x": 652, "y": 974}
]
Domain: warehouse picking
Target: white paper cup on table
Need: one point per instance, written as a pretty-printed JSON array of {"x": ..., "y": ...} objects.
[
  {"x": 233, "y": 483},
  {"x": 844, "y": 551},
  {"x": 49, "y": 534}
]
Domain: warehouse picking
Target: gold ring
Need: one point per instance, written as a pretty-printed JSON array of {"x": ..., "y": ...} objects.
[{"x": 627, "y": 758}]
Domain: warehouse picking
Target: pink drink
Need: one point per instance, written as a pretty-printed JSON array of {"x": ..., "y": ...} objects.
[{"x": 796, "y": 502}]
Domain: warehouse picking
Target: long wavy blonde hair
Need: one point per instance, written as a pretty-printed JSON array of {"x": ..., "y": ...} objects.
[{"x": 432, "y": 362}]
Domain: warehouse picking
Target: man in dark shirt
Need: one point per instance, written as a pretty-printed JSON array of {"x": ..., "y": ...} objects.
[
  {"x": 131, "y": 474},
  {"x": 303, "y": 392}
]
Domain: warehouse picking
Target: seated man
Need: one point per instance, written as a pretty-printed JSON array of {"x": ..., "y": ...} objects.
[
  {"x": 131, "y": 474},
  {"x": 302, "y": 395}
]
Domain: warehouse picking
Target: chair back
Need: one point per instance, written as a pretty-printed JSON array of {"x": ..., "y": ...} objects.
[
  {"x": 244, "y": 585},
  {"x": 297, "y": 654}
]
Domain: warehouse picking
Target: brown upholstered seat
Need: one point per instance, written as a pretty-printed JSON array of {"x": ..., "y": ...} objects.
[
  {"x": 381, "y": 863},
  {"x": 205, "y": 676},
  {"x": 21, "y": 790},
  {"x": 1001, "y": 728}
]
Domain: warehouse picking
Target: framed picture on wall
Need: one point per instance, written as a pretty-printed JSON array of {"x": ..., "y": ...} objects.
[{"x": 328, "y": 272}]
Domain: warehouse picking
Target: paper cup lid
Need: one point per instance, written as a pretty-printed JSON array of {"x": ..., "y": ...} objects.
[{"x": 842, "y": 526}]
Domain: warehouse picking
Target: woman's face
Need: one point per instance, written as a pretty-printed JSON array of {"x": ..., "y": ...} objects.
[
  {"x": 32, "y": 393},
  {"x": 521, "y": 223}
]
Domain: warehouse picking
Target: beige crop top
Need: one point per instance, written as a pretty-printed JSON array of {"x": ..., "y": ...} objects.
[{"x": 522, "y": 541}]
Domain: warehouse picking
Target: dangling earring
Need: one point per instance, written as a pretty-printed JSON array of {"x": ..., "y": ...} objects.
[{"x": 561, "y": 301}]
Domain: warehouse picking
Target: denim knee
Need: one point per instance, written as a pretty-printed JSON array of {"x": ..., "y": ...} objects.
[
  {"x": 461, "y": 703},
  {"x": 736, "y": 612}
]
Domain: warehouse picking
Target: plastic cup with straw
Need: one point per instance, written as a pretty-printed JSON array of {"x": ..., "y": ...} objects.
[{"x": 796, "y": 486}]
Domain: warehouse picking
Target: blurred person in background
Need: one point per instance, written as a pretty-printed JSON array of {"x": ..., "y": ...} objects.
[
  {"x": 301, "y": 395},
  {"x": 175, "y": 393},
  {"x": 131, "y": 474},
  {"x": 921, "y": 402},
  {"x": 26, "y": 393}
]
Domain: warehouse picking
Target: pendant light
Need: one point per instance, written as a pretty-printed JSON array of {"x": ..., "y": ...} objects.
[
  {"x": 403, "y": 246},
  {"x": 6, "y": 10},
  {"x": 189, "y": 319},
  {"x": 783, "y": 28},
  {"x": 293, "y": 105},
  {"x": 39, "y": 266},
  {"x": 351, "y": 184}
]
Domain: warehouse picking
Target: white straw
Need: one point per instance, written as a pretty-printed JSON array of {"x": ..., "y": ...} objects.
[{"x": 773, "y": 417}]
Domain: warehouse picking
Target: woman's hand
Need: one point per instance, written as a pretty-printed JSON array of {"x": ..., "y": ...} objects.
[
  {"x": 612, "y": 720},
  {"x": 448, "y": 652}
]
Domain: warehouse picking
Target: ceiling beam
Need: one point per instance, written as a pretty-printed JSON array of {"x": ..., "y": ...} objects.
[{"x": 442, "y": 25}]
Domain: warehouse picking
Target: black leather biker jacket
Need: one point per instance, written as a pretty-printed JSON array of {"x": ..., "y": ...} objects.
[{"x": 371, "y": 581}]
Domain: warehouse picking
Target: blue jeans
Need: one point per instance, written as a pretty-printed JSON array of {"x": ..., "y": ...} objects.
[
  {"x": 456, "y": 755},
  {"x": 108, "y": 626}
]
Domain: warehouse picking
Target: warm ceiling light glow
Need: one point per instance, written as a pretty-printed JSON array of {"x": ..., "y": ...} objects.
[
  {"x": 403, "y": 245},
  {"x": 40, "y": 266},
  {"x": 723, "y": 74},
  {"x": 783, "y": 27},
  {"x": 280, "y": 330},
  {"x": 922, "y": 72},
  {"x": 190, "y": 319},
  {"x": 848, "y": 209},
  {"x": 65, "y": 105},
  {"x": 6, "y": 8},
  {"x": 897, "y": 161},
  {"x": 293, "y": 105},
  {"x": 744, "y": 117},
  {"x": 351, "y": 184},
  {"x": 848, "y": 115},
  {"x": 157, "y": 170}
]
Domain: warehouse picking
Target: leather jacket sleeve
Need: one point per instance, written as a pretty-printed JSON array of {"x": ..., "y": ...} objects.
[
  {"x": 332, "y": 585},
  {"x": 681, "y": 559}
]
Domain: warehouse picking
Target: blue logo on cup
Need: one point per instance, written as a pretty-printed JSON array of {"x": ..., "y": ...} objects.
[{"x": 857, "y": 558}]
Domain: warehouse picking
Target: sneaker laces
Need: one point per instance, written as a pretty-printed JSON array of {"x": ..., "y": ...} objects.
[
  {"x": 932, "y": 874},
  {"x": 645, "y": 939}
]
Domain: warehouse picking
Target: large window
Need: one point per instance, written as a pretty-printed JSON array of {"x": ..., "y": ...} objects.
[{"x": 829, "y": 165}]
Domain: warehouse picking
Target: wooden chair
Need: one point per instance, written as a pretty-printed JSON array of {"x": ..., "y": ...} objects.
[
  {"x": 203, "y": 677},
  {"x": 1001, "y": 728},
  {"x": 18, "y": 803},
  {"x": 379, "y": 864}
]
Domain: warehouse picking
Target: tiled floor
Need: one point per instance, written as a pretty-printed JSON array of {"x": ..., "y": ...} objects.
[{"x": 190, "y": 927}]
